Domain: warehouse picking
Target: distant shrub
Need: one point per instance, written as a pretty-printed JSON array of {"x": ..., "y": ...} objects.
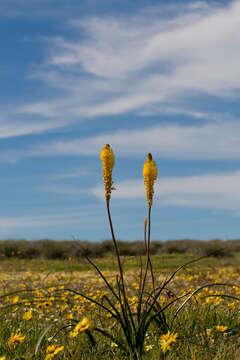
[
  {"x": 79, "y": 249},
  {"x": 216, "y": 248},
  {"x": 135, "y": 248},
  {"x": 182, "y": 246},
  {"x": 51, "y": 249},
  {"x": 233, "y": 245},
  {"x": 156, "y": 247}
]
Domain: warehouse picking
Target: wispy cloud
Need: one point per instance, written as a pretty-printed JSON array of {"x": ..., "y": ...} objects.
[
  {"x": 213, "y": 191},
  {"x": 8, "y": 223},
  {"x": 66, "y": 217},
  {"x": 211, "y": 141},
  {"x": 77, "y": 173},
  {"x": 12, "y": 127},
  {"x": 67, "y": 190},
  {"x": 153, "y": 61},
  {"x": 144, "y": 60}
]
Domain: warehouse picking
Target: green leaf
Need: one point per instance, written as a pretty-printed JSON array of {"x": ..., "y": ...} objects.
[
  {"x": 43, "y": 333},
  {"x": 91, "y": 340}
]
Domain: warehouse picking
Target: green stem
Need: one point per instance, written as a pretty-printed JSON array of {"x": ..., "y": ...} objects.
[
  {"x": 149, "y": 263},
  {"x": 149, "y": 259},
  {"x": 146, "y": 269},
  {"x": 117, "y": 254}
]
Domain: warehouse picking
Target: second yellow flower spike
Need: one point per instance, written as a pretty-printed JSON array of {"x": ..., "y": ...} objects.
[
  {"x": 149, "y": 175},
  {"x": 107, "y": 158}
]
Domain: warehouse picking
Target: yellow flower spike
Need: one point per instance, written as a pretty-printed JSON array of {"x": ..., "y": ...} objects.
[
  {"x": 145, "y": 222},
  {"x": 107, "y": 158},
  {"x": 149, "y": 175}
]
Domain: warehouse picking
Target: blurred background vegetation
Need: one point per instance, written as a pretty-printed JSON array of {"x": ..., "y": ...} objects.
[{"x": 77, "y": 249}]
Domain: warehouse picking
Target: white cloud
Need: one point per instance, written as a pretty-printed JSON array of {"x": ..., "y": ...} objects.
[
  {"x": 213, "y": 191},
  {"x": 146, "y": 63},
  {"x": 10, "y": 127},
  {"x": 169, "y": 110},
  {"x": 39, "y": 108},
  {"x": 66, "y": 190},
  {"x": 77, "y": 173},
  {"x": 212, "y": 141},
  {"x": 143, "y": 60},
  {"x": 59, "y": 220},
  {"x": 132, "y": 62}
]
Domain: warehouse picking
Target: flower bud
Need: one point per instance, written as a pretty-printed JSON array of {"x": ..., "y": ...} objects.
[
  {"x": 107, "y": 158},
  {"x": 149, "y": 175}
]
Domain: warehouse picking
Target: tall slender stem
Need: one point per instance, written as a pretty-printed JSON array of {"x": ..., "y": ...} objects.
[
  {"x": 148, "y": 252},
  {"x": 146, "y": 269},
  {"x": 148, "y": 263},
  {"x": 117, "y": 253}
]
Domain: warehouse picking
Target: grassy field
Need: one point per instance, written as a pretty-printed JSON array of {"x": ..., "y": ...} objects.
[{"x": 36, "y": 294}]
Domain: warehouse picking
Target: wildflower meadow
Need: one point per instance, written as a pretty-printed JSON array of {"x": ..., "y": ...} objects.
[{"x": 162, "y": 306}]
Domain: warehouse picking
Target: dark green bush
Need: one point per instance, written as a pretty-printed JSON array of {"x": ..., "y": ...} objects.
[
  {"x": 216, "y": 248},
  {"x": 79, "y": 249}
]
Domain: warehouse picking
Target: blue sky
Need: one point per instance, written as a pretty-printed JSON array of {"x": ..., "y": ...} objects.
[{"x": 143, "y": 76}]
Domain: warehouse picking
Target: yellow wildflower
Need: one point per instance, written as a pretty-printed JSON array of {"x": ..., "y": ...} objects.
[
  {"x": 40, "y": 306},
  {"x": 166, "y": 341},
  {"x": 149, "y": 347},
  {"x": 209, "y": 332},
  {"x": 3, "y": 358},
  {"x": 53, "y": 350},
  {"x": 69, "y": 316},
  {"x": 15, "y": 300},
  {"x": 221, "y": 328},
  {"x": 83, "y": 325},
  {"x": 47, "y": 304},
  {"x": 114, "y": 345},
  {"x": 232, "y": 305},
  {"x": 15, "y": 339},
  {"x": 149, "y": 175},
  {"x": 107, "y": 158},
  {"x": 27, "y": 315},
  {"x": 51, "y": 289}
]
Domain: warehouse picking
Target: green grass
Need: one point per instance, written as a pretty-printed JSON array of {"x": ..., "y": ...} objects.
[
  {"x": 165, "y": 263},
  {"x": 191, "y": 324}
]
